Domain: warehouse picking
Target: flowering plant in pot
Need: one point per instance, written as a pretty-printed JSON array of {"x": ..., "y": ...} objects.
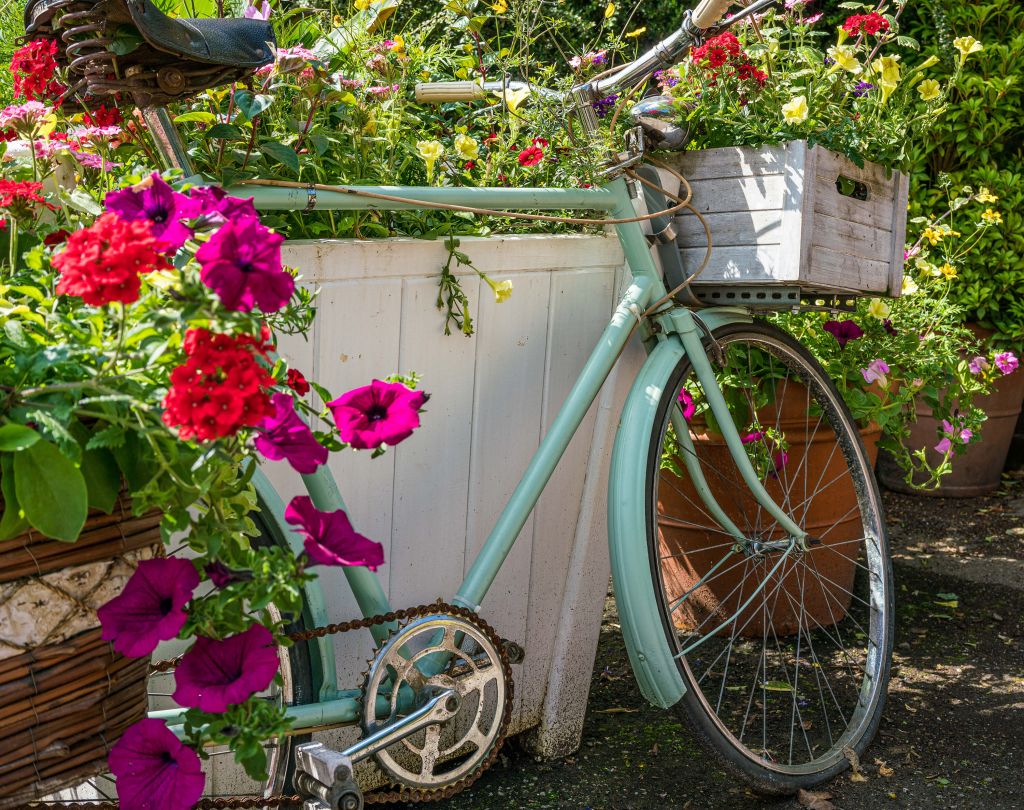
[{"x": 139, "y": 378}]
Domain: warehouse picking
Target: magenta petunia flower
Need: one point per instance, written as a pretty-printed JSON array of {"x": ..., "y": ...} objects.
[
  {"x": 843, "y": 331},
  {"x": 285, "y": 436},
  {"x": 780, "y": 460},
  {"x": 875, "y": 372},
  {"x": 222, "y": 576},
  {"x": 218, "y": 206},
  {"x": 242, "y": 264},
  {"x": 1006, "y": 362},
  {"x": 330, "y": 538},
  {"x": 689, "y": 409},
  {"x": 154, "y": 769},
  {"x": 376, "y": 414},
  {"x": 161, "y": 205},
  {"x": 151, "y": 607},
  {"x": 214, "y": 675},
  {"x": 753, "y": 436},
  {"x": 951, "y": 433}
]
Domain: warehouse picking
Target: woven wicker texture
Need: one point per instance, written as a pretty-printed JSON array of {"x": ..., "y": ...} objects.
[{"x": 65, "y": 695}]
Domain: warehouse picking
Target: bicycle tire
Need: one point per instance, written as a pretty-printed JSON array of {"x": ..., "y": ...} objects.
[{"x": 721, "y": 731}]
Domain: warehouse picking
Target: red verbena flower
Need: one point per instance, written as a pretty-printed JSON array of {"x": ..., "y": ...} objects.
[
  {"x": 871, "y": 23},
  {"x": 32, "y": 67},
  {"x": 103, "y": 117},
  {"x": 329, "y": 538},
  {"x": 22, "y": 199},
  {"x": 297, "y": 382},
  {"x": 531, "y": 156},
  {"x": 215, "y": 674},
  {"x": 103, "y": 262},
  {"x": 154, "y": 769},
  {"x": 150, "y": 607},
  {"x": 221, "y": 387},
  {"x": 376, "y": 414}
]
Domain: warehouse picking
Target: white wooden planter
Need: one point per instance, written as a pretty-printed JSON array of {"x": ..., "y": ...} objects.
[
  {"x": 432, "y": 500},
  {"x": 778, "y": 216}
]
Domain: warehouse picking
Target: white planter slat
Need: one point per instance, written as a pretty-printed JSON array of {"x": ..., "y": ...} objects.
[{"x": 777, "y": 216}]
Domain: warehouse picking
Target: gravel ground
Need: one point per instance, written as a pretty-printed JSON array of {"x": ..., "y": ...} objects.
[{"x": 952, "y": 734}]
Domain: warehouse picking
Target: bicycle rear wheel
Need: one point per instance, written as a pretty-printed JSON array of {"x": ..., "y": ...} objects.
[
  {"x": 784, "y": 650},
  {"x": 224, "y": 776}
]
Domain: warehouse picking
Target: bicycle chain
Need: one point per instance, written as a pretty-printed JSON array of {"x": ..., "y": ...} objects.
[{"x": 404, "y": 795}]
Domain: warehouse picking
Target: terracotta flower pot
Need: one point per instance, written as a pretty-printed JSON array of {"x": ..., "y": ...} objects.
[
  {"x": 979, "y": 469},
  {"x": 695, "y": 550}
]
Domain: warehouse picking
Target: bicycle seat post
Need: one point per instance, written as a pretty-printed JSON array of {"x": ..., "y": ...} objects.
[{"x": 168, "y": 140}]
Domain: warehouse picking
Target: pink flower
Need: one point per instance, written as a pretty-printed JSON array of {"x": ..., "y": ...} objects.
[
  {"x": 754, "y": 436},
  {"x": 285, "y": 436},
  {"x": 689, "y": 409},
  {"x": 154, "y": 769},
  {"x": 253, "y": 13},
  {"x": 329, "y": 536},
  {"x": 1006, "y": 362},
  {"x": 843, "y": 331},
  {"x": 949, "y": 433},
  {"x": 214, "y": 675},
  {"x": 154, "y": 200},
  {"x": 531, "y": 156},
  {"x": 875, "y": 372},
  {"x": 23, "y": 118},
  {"x": 218, "y": 207},
  {"x": 151, "y": 607},
  {"x": 979, "y": 365},
  {"x": 780, "y": 460},
  {"x": 382, "y": 91},
  {"x": 242, "y": 264},
  {"x": 376, "y": 414}
]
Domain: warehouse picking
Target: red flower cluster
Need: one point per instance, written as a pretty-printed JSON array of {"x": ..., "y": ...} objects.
[
  {"x": 534, "y": 153},
  {"x": 221, "y": 388},
  {"x": 723, "y": 54},
  {"x": 297, "y": 382},
  {"x": 32, "y": 67},
  {"x": 103, "y": 117},
  {"x": 103, "y": 262},
  {"x": 21, "y": 198},
  {"x": 871, "y": 23}
]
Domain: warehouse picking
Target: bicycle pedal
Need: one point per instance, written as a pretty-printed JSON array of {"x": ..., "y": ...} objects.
[{"x": 323, "y": 778}]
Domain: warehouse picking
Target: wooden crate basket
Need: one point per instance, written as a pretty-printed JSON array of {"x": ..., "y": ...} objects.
[{"x": 794, "y": 216}]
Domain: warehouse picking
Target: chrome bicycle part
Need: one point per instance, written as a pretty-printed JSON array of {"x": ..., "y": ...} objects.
[
  {"x": 472, "y": 666},
  {"x": 657, "y": 117}
]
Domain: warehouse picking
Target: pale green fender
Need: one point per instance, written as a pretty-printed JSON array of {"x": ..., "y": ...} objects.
[{"x": 650, "y": 653}]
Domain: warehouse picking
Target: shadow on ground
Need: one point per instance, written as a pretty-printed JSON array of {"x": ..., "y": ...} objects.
[{"x": 952, "y": 735}]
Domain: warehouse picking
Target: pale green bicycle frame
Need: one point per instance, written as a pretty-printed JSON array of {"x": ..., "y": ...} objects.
[{"x": 678, "y": 334}]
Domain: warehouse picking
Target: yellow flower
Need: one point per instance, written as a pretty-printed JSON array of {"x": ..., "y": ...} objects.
[
  {"x": 844, "y": 58},
  {"x": 795, "y": 111},
  {"x": 889, "y": 69},
  {"x": 929, "y": 90},
  {"x": 513, "y": 98},
  {"x": 499, "y": 7},
  {"x": 430, "y": 151},
  {"x": 466, "y": 148},
  {"x": 909, "y": 286},
  {"x": 609, "y": 10},
  {"x": 362, "y": 5},
  {"x": 948, "y": 270},
  {"x": 397, "y": 45},
  {"x": 635, "y": 33},
  {"x": 502, "y": 291},
  {"x": 967, "y": 46},
  {"x": 931, "y": 61},
  {"x": 879, "y": 309},
  {"x": 985, "y": 196},
  {"x": 990, "y": 217},
  {"x": 932, "y": 235}
]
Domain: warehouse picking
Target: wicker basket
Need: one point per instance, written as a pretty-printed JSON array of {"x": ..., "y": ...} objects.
[{"x": 65, "y": 695}]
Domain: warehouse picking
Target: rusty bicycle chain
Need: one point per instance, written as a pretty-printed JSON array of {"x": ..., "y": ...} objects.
[{"x": 402, "y": 795}]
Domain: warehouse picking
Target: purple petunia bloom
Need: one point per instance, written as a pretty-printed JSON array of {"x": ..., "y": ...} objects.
[
  {"x": 150, "y": 607},
  {"x": 242, "y": 264},
  {"x": 843, "y": 331},
  {"x": 253, "y": 13},
  {"x": 603, "y": 106},
  {"x": 154, "y": 769},
  {"x": 949, "y": 433},
  {"x": 1006, "y": 362},
  {"x": 285, "y": 436},
  {"x": 780, "y": 460},
  {"x": 222, "y": 576},
  {"x": 979, "y": 365},
  {"x": 218, "y": 206},
  {"x": 887, "y": 325},
  {"x": 689, "y": 409},
  {"x": 214, "y": 675},
  {"x": 330, "y": 538},
  {"x": 753, "y": 436},
  {"x": 156, "y": 201},
  {"x": 862, "y": 89},
  {"x": 376, "y": 414},
  {"x": 875, "y": 373}
]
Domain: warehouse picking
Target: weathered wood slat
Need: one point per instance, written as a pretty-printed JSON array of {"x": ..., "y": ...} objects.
[
  {"x": 842, "y": 271},
  {"x": 730, "y": 229},
  {"x": 762, "y": 193},
  {"x": 847, "y": 236},
  {"x": 743, "y": 264}
]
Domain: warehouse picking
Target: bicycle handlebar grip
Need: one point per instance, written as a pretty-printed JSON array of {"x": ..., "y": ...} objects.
[
  {"x": 709, "y": 12},
  {"x": 439, "y": 92}
]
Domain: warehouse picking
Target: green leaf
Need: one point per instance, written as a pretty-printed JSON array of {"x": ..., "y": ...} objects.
[
  {"x": 126, "y": 39},
  {"x": 198, "y": 115},
  {"x": 133, "y": 462},
  {"x": 102, "y": 478},
  {"x": 250, "y": 105},
  {"x": 17, "y": 437},
  {"x": 13, "y": 522},
  {"x": 228, "y": 132},
  {"x": 51, "y": 491},
  {"x": 776, "y": 686},
  {"x": 281, "y": 154}
]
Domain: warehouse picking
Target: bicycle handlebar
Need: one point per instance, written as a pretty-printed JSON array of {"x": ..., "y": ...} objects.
[{"x": 709, "y": 12}]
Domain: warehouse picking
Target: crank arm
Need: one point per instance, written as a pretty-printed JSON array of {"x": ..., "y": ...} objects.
[{"x": 443, "y": 706}]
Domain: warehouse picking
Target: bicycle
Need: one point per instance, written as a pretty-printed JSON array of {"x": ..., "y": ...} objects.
[{"x": 780, "y": 669}]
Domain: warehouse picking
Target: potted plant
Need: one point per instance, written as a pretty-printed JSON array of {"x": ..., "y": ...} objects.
[{"x": 139, "y": 385}]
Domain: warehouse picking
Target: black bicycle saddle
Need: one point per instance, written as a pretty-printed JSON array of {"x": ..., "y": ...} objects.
[{"x": 159, "y": 58}]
